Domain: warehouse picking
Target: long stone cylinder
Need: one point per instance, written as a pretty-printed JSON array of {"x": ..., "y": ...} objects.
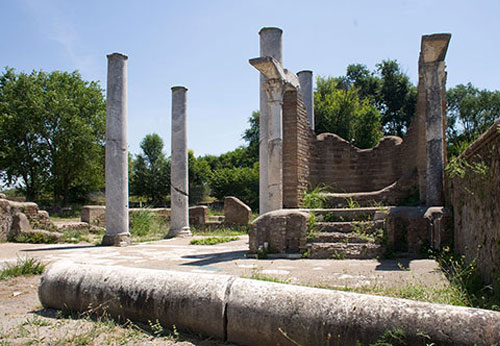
[
  {"x": 179, "y": 180},
  {"x": 117, "y": 232},
  {"x": 306, "y": 87},
  {"x": 252, "y": 312},
  {"x": 270, "y": 45}
]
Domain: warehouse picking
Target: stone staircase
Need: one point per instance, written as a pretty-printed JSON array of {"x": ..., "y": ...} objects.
[{"x": 342, "y": 233}]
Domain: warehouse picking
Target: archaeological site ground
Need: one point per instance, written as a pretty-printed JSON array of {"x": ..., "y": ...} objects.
[{"x": 350, "y": 246}]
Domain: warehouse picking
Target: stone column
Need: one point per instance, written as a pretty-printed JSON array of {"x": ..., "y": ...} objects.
[
  {"x": 117, "y": 233},
  {"x": 274, "y": 90},
  {"x": 179, "y": 184},
  {"x": 270, "y": 45},
  {"x": 306, "y": 88},
  {"x": 434, "y": 49}
]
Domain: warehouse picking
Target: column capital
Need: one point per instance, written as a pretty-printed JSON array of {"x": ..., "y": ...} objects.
[{"x": 275, "y": 89}]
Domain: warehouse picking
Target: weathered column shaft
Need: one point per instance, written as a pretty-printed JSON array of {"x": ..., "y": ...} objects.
[
  {"x": 270, "y": 45},
  {"x": 306, "y": 88},
  {"x": 275, "y": 89},
  {"x": 433, "y": 80},
  {"x": 117, "y": 233},
  {"x": 179, "y": 184}
]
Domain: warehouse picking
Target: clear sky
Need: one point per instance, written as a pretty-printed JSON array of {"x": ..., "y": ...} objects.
[{"x": 205, "y": 45}]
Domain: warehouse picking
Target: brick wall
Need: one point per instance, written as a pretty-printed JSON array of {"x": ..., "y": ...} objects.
[
  {"x": 297, "y": 150},
  {"x": 474, "y": 196}
]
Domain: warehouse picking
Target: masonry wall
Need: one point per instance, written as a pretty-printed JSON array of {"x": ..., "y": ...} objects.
[
  {"x": 329, "y": 160},
  {"x": 297, "y": 150},
  {"x": 475, "y": 198}
]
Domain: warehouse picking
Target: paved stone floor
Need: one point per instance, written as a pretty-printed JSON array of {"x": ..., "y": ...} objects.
[{"x": 230, "y": 258}]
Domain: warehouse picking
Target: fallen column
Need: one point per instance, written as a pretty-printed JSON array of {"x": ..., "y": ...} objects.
[
  {"x": 252, "y": 312},
  {"x": 179, "y": 183},
  {"x": 117, "y": 233}
]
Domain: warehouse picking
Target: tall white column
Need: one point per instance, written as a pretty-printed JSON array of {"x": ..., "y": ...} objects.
[
  {"x": 306, "y": 88},
  {"x": 179, "y": 183},
  {"x": 270, "y": 45},
  {"x": 117, "y": 233}
]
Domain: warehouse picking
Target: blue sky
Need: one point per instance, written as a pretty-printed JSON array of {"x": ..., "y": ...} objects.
[{"x": 205, "y": 46}]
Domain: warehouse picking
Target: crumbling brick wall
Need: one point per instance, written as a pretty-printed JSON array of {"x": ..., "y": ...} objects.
[
  {"x": 327, "y": 159},
  {"x": 474, "y": 194}
]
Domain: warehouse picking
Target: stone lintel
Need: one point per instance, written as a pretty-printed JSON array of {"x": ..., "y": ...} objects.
[
  {"x": 434, "y": 47},
  {"x": 272, "y": 69}
]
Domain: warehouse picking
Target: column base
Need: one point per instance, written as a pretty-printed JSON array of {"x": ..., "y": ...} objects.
[
  {"x": 182, "y": 233},
  {"x": 116, "y": 240}
]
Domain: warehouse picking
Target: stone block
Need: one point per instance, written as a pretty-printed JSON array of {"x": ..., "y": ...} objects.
[
  {"x": 279, "y": 231},
  {"x": 407, "y": 229},
  {"x": 5, "y": 219},
  {"x": 236, "y": 212},
  {"x": 2, "y": 196},
  {"x": 198, "y": 215},
  {"x": 94, "y": 215},
  {"x": 30, "y": 209},
  {"x": 20, "y": 224}
]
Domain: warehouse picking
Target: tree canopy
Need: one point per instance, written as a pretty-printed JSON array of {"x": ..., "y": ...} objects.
[
  {"x": 361, "y": 104},
  {"x": 151, "y": 171},
  {"x": 52, "y": 132}
]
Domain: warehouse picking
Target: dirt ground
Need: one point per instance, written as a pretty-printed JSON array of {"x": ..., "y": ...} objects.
[{"x": 23, "y": 321}]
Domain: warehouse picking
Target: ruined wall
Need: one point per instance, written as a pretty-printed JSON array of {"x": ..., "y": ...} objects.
[
  {"x": 297, "y": 150},
  {"x": 474, "y": 192},
  {"x": 327, "y": 159}
]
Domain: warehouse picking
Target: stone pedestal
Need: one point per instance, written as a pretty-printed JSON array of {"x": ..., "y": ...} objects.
[
  {"x": 270, "y": 45},
  {"x": 179, "y": 190},
  {"x": 306, "y": 88},
  {"x": 117, "y": 233},
  {"x": 433, "y": 52}
]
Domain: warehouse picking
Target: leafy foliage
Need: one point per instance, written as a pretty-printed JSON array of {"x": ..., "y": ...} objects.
[
  {"x": 52, "y": 128},
  {"x": 359, "y": 105},
  {"x": 151, "y": 171},
  {"x": 470, "y": 112}
]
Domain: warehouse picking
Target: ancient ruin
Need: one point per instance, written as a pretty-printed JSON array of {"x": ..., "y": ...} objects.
[
  {"x": 179, "y": 193},
  {"x": 296, "y": 160},
  {"x": 117, "y": 233}
]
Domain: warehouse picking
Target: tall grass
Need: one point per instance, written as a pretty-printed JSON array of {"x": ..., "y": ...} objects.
[{"x": 315, "y": 199}]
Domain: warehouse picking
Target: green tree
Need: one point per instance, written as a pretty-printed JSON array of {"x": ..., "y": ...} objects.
[
  {"x": 397, "y": 98},
  {"x": 199, "y": 172},
  {"x": 52, "y": 129},
  {"x": 340, "y": 110},
  {"x": 470, "y": 112},
  {"x": 151, "y": 171},
  {"x": 251, "y": 136}
]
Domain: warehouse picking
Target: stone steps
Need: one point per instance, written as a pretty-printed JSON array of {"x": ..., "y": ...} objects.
[
  {"x": 362, "y": 227},
  {"x": 350, "y": 233},
  {"x": 338, "y": 237},
  {"x": 344, "y": 250}
]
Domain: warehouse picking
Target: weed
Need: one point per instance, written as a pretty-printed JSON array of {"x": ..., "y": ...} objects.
[
  {"x": 351, "y": 203},
  {"x": 315, "y": 199},
  {"x": 212, "y": 240},
  {"x": 146, "y": 223},
  {"x": 224, "y": 231},
  {"x": 312, "y": 229},
  {"x": 35, "y": 238},
  {"x": 262, "y": 277},
  {"x": 306, "y": 254},
  {"x": 23, "y": 267},
  {"x": 391, "y": 337},
  {"x": 338, "y": 255}
]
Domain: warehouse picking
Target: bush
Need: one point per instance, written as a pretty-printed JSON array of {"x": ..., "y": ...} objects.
[
  {"x": 144, "y": 223},
  {"x": 241, "y": 182}
]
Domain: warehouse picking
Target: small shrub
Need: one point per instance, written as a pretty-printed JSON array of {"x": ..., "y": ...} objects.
[
  {"x": 35, "y": 238},
  {"x": 23, "y": 267},
  {"x": 145, "y": 223},
  {"x": 315, "y": 199}
]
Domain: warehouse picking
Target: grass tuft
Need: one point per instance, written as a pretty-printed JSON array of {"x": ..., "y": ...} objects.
[
  {"x": 23, "y": 267},
  {"x": 212, "y": 240}
]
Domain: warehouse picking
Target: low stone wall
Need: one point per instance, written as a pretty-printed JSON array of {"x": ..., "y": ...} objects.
[
  {"x": 252, "y": 312},
  {"x": 475, "y": 198},
  {"x": 28, "y": 211}
]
